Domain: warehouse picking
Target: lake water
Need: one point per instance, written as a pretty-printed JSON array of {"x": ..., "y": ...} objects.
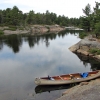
[{"x": 22, "y": 58}]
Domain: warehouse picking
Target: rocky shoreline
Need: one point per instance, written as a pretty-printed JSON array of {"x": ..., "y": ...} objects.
[
  {"x": 33, "y": 29},
  {"x": 83, "y": 47},
  {"x": 85, "y": 90}
]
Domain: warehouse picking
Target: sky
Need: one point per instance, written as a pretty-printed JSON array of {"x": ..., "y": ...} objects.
[{"x": 68, "y": 8}]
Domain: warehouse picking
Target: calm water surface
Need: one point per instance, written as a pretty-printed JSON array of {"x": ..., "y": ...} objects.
[{"x": 22, "y": 58}]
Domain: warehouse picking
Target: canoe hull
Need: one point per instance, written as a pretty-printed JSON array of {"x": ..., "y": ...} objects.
[{"x": 40, "y": 81}]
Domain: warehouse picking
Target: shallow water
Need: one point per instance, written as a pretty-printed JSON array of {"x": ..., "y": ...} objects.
[{"x": 22, "y": 58}]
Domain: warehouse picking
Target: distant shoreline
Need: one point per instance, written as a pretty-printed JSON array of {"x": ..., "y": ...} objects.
[{"x": 33, "y": 29}]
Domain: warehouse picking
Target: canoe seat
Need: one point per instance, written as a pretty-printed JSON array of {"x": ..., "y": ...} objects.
[
  {"x": 91, "y": 74},
  {"x": 71, "y": 76},
  {"x": 61, "y": 78}
]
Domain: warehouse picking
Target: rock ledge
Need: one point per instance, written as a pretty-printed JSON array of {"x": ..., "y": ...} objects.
[{"x": 83, "y": 46}]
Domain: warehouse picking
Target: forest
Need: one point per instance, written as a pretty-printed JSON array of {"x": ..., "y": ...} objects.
[
  {"x": 89, "y": 22},
  {"x": 16, "y": 17}
]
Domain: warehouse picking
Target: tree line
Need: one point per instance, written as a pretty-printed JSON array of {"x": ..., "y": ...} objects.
[
  {"x": 14, "y": 16},
  {"x": 91, "y": 20}
]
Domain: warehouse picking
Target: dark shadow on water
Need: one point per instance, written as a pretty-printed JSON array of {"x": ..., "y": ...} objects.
[
  {"x": 95, "y": 64},
  {"x": 49, "y": 88}
]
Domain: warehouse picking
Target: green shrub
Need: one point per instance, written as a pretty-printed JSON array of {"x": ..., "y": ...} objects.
[
  {"x": 94, "y": 51},
  {"x": 98, "y": 52},
  {"x": 12, "y": 28},
  {"x": 1, "y": 32},
  {"x": 82, "y": 35},
  {"x": 97, "y": 29},
  {"x": 21, "y": 28}
]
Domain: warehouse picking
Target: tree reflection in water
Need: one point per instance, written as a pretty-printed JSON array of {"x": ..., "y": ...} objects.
[
  {"x": 16, "y": 41},
  {"x": 1, "y": 45}
]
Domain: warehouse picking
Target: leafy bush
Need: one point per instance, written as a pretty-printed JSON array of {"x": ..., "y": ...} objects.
[
  {"x": 97, "y": 29},
  {"x": 21, "y": 28},
  {"x": 98, "y": 52},
  {"x": 82, "y": 35},
  {"x": 94, "y": 51},
  {"x": 1, "y": 32},
  {"x": 11, "y": 26},
  {"x": 12, "y": 29}
]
